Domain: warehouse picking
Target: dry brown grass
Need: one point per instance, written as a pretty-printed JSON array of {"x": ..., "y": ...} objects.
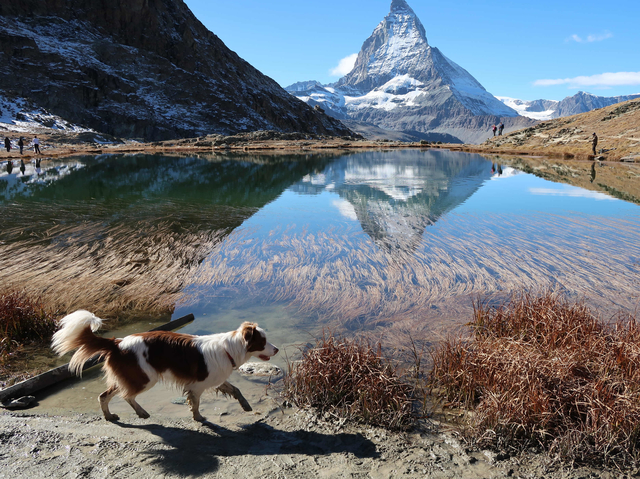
[
  {"x": 617, "y": 126},
  {"x": 24, "y": 320},
  {"x": 350, "y": 379},
  {"x": 542, "y": 372}
]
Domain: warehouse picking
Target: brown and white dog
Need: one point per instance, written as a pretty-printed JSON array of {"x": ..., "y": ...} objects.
[{"x": 137, "y": 362}]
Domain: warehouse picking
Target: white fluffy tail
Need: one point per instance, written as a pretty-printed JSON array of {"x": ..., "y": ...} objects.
[{"x": 72, "y": 328}]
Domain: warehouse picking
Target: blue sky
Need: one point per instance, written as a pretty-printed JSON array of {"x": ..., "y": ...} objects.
[{"x": 527, "y": 50}]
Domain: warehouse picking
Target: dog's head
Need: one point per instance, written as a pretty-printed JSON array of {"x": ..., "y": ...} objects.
[{"x": 256, "y": 339}]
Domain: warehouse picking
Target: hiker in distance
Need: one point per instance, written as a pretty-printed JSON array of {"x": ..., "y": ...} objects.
[{"x": 36, "y": 145}]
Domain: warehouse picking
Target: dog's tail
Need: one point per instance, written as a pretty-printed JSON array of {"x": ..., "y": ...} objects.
[{"x": 76, "y": 332}]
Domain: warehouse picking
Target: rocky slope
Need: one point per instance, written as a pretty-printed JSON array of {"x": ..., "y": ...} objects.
[
  {"x": 581, "y": 102},
  {"x": 617, "y": 127},
  {"x": 400, "y": 82},
  {"x": 139, "y": 69}
]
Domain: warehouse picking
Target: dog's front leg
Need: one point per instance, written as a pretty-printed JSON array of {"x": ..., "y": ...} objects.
[
  {"x": 193, "y": 398},
  {"x": 230, "y": 390}
]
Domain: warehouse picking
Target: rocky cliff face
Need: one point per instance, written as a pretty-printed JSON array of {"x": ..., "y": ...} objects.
[
  {"x": 140, "y": 68},
  {"x": 400, "y": 82}
]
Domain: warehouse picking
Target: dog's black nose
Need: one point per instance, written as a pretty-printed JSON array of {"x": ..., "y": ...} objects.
[{"x": 275, "y": 351}]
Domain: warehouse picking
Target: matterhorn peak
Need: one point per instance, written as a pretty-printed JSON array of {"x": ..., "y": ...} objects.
[
  {"x": 396, "y": 45},
  {"x": 400, "y": 82},
  {"x": 400, "y": 7}
]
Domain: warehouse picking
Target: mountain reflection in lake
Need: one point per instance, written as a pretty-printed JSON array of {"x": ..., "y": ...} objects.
[{"x": 400, "y": 239}]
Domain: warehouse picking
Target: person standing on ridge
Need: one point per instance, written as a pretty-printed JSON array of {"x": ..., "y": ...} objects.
[
  {"x": 21, "y": 144},
  {"x": 36, "y": 145},
  {"x": 7, "y": 143},
  {"x": 594, "y": 143},
  {"x": 494, "y": 130},
  {"x": 500, "y": 128}
]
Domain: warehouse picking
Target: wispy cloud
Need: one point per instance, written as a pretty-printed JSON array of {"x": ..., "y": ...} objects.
[
  {"x": 344, "y": 66},
  {"x": 571, "y": 192},
  {"x": 600, "y": 80},
  {"x": 590, "y": 38}
]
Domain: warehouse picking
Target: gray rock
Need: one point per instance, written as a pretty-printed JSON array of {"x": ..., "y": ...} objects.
[
  {"x": 21, "y": 403},
  {"x": 263, "y": 369}
]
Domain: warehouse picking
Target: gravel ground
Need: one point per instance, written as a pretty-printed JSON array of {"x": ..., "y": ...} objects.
[{"x": 274, "y": 444}]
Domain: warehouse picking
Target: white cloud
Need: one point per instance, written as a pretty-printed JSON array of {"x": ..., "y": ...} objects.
[
  {"x": 600, "y": 80},
  {"x": 591, "y": 38},
  {"x": 346, "y": 209},
  {"x": 570, "y": 191},
  {"x": 344, "y": 66}
]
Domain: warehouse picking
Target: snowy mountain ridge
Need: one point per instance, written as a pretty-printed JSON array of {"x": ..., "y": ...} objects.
[{"x": 581, "y": 102}]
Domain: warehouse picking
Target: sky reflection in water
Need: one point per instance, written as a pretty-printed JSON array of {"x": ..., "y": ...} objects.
[{"x": 362, "y": 239}]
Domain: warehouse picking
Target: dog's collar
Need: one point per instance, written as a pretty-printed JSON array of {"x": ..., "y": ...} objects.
[{"x": 233, "y": 363}]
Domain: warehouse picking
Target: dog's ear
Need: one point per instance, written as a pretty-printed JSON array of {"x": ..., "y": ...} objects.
[{"x": 248, "y": 329}]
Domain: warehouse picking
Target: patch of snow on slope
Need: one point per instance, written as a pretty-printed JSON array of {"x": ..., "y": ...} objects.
[
  {"x": 471, "y": 93},
  {"x": 399, "y": 91},
  {"x": 18, "y": 115}
]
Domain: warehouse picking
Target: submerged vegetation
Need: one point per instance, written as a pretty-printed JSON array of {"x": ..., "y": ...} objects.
[{"x": 543, "y": 373}]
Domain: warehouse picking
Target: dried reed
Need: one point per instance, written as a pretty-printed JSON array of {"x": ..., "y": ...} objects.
[
  {"x": 542, "y": 372},
  {"x": 23, "y": 319},
  {"x": 350, "y": 379}
]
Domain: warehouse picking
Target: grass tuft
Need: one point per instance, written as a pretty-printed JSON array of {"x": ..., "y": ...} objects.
[
  {"x": 350, "y": 379},
  {"x": 23, "y": 320},
  {"x": 544, "y": 373}
]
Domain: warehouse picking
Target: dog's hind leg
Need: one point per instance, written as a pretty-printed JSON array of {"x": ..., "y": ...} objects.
[
  {"x": 105, "y": 398},
  {"x": 193, "y": 398},
  {"x": 137, "y": 408}
]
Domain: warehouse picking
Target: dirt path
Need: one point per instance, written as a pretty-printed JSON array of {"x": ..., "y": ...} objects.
[{"x": 265, "y": 444}]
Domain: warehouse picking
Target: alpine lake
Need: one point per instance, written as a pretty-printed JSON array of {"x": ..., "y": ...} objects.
[{"x": 395, "y": 244}]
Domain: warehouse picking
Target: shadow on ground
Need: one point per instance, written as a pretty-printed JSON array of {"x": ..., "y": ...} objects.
[{"x": 187, "y": 452}]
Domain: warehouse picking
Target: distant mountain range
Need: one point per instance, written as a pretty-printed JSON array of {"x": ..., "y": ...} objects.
[
  {"x": 401, "y": 83},
  {"x": 138, "y": 69},
  {"x": 581, "y": 102}
]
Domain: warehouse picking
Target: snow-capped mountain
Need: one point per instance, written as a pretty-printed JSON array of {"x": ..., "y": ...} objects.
[
  {"x": 581, "y": 102},
  {"x": 140, "y": 69},
  {"x": 400, "y": 82}
]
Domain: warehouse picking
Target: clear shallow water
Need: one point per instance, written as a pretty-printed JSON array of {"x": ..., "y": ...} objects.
[{"x": 400, "y": 240}]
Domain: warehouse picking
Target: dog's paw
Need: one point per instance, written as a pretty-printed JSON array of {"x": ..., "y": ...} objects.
[
  {"x": 199, "y": 418},
  {"x": 111, "y": 417},
  {"x": 144, "y": 415}
]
